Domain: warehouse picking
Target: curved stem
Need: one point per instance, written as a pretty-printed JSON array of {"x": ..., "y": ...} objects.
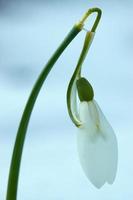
[
  {"x": 76, "y": 75},
  {"x": 21, "y": 134},
  {"x": 88, "y": 13},
  {"x": 87, "y": 43},
  {"x": 71, "y": 96},
  {"x": 19, "y": 143}
]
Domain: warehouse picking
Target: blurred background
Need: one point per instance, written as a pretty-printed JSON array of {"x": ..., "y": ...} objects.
[{"x": 30, "y": 31}]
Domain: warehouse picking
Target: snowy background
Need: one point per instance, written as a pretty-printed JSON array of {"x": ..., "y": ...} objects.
[{"x": 30, "y": 31}]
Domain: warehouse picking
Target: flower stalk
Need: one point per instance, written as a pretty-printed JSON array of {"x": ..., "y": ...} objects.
[
  {"x": 19, "y": 143},
  {"x": 71, "y": 91},
  {"x": 22, "y": 130}
]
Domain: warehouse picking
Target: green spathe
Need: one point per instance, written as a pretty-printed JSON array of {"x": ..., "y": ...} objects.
[{"x": 85, "y": 90}]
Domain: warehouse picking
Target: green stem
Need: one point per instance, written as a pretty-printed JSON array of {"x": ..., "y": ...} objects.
[
  {"x": 19, "y": 143},
  {"x": 77, "y": 73},
  {"x": 88, "y": 13},
  {"x": 21, "y": 134}
]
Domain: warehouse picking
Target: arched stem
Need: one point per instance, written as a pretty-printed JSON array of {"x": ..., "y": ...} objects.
[
  {"x": 76, "y": 75},
  {"x": 19, "y": 143},
  {"x": 21, "y": 134},
  {"x": 71, "y": 94},
  {"x": 88, "y": 13}
]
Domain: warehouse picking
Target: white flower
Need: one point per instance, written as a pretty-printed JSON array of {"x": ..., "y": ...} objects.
[{"x": 97, "y": 145}]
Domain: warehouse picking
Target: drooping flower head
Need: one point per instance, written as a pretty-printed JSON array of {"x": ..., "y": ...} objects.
[
  {"x": 97, "y": 144},
  {"x": 96, "y": 140}
]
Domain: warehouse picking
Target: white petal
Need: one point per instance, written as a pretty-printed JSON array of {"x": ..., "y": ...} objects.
[
  {"x": 97, "y": 145},
  {"x": 74, "y": 100},
  {"x": 112, "y": 145}
]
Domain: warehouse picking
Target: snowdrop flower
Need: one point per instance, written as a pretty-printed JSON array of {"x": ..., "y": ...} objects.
[{"x": 97, "y": 143}]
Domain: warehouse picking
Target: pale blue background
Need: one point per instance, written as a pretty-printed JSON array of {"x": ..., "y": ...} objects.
[{"x": 30, "y": 31}]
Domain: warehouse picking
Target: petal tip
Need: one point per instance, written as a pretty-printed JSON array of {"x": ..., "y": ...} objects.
[{"x": 98, "y": 183}]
